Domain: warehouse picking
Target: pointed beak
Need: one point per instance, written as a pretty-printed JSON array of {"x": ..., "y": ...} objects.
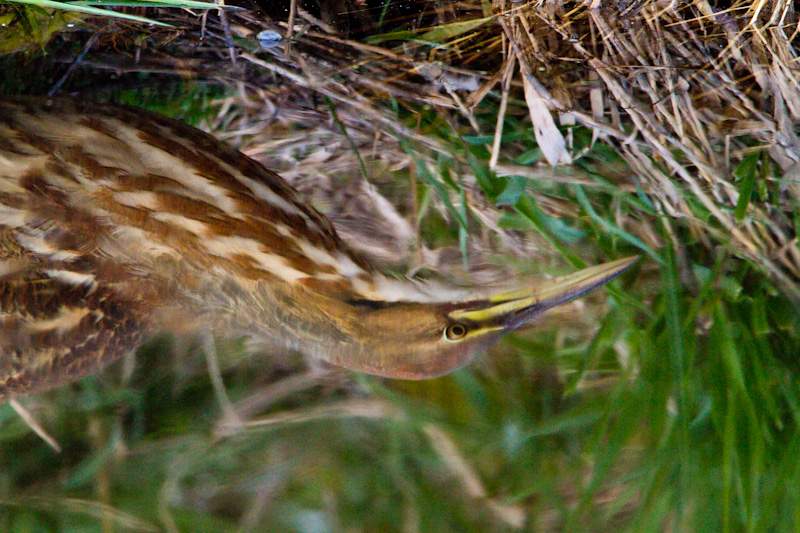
[{"x": 512, "y": 309}]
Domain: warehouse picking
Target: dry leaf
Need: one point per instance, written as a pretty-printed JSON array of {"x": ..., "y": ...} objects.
[{"x": 550, "y": 140}]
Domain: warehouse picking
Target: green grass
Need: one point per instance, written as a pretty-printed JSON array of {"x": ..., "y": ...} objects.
[
  {"x": 676, "y": 407},
  {"x": 91, "y": 7}
]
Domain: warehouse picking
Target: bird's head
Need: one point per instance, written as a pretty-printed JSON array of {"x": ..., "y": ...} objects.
[{"x": 411, "y": 340}]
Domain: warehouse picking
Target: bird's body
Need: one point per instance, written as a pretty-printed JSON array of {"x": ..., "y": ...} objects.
[{"x": 115, "y": 222}]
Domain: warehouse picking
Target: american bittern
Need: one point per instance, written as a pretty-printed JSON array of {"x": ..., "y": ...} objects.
[{"x": 114, "y": 221}]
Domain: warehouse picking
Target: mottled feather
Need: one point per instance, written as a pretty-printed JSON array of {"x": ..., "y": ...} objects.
[{"x": 110, "y": 215}]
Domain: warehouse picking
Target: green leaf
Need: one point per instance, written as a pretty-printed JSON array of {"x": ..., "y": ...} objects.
[
  {"x": 446, "y": 32},
  {"x": 88, "y": 10},
  {"x": 486, "y": 139},
  {"x": 403, "y": 35},
  {"x": 527, "y": 208},
  {"x": 437, "y": 35},
  {"x": 746, "y": 171},
  {"x": 154, "y": 3},
  {"x": 192, "y": 4},
  {"x": 529, "y": 157},
  {"x": 514, "y": 189}
]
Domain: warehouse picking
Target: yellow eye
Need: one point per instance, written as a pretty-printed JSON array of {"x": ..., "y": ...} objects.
[{"x": 455, "y": 332}]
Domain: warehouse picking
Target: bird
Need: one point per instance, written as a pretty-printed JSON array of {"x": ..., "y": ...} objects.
[{"x": 117, "y": 223}]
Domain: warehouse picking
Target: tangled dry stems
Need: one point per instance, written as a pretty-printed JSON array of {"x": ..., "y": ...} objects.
[{"x": 685, "y": 91}]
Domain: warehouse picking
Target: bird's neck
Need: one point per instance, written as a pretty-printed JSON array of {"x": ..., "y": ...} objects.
[{"x": 286, "y": 314}]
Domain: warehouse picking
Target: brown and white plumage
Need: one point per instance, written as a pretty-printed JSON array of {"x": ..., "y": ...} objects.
[
  {"x": 114, "y": 220},
  {"x": 107, "y": 207}
]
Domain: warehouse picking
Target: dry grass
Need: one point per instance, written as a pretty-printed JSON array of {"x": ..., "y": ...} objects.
[{"x": 672, "y": 407}]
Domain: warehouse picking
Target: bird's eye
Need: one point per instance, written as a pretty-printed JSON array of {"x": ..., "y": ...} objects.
[{"x": 455, "y": 332}]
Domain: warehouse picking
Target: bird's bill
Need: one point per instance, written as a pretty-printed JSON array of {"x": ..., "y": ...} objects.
[{"x": 512, "y": 309}]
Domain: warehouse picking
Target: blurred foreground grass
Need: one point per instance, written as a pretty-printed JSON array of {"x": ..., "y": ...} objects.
[{"x": 673, "y": 406}]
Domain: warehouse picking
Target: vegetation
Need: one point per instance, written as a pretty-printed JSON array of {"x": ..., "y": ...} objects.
[{"x": 671, "y": 401}]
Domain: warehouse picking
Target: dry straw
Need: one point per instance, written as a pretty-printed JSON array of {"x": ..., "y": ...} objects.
[{"x": 700, "y": 100}]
